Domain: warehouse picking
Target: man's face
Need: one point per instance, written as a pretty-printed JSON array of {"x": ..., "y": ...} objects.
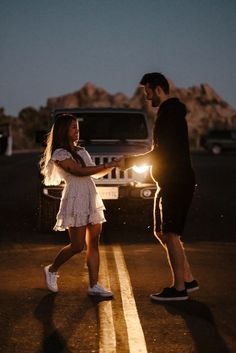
[{"x": 152, "y": 95}]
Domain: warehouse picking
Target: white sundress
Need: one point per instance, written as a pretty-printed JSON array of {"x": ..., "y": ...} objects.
[{"x": 80, "y": 203}]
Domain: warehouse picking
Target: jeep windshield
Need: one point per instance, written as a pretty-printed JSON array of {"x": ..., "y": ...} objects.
[{"x": 112, "y": 126}]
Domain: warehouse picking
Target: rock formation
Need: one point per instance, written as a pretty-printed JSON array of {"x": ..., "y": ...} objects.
[{"x": 206, "y": 109}]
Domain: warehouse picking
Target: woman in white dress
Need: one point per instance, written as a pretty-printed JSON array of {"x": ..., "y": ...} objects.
[{"x": 81, "y": 207}]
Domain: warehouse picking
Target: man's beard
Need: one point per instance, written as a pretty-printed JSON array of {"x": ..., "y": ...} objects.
[{"x": 155, "y": 100}]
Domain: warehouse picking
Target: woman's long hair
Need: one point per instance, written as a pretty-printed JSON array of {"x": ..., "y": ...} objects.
[{"x": 56, "y": 138}]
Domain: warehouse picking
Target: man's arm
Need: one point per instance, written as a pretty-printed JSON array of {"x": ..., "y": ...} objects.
[{"x": 146, "y": 158}]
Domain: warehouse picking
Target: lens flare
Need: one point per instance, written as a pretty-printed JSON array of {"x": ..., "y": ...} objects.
[{"x": 140, "y": 169}]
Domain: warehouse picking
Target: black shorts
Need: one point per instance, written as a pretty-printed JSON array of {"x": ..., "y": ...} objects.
[{"x": 171, "y": 206}]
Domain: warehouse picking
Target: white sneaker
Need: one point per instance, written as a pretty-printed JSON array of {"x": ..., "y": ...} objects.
[
  {"x": 99, "y": 291},
  {"x": 51, "y": 279}
]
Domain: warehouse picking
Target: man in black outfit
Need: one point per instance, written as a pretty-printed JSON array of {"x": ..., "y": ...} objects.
[{"x": 173, "y": 173}]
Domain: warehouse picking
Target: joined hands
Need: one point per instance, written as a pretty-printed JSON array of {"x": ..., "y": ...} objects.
[{"x": 117, "y": 163}]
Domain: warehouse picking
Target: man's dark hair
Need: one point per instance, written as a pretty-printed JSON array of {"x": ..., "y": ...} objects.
[{"x": 155, "y": 79}]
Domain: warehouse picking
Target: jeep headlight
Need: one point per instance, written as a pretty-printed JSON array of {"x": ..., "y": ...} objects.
[{"x": 140, "y": 169}]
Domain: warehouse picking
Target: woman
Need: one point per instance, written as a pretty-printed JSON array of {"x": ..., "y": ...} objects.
[{"x": 81, "y": 207}]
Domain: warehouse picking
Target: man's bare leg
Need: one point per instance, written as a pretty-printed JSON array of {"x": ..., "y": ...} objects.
[{"x": 176, "y": 258}]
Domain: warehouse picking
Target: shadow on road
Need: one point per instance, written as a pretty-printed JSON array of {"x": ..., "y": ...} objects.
[
  {"x": 53, "y": 340},
  {"x": 201, "y": 324}
]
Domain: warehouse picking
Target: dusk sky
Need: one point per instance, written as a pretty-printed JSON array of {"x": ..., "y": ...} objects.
[{"x": 53, "y": 47}]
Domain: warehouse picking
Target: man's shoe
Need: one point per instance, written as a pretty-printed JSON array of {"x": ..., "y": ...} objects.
[
  {"x": 51, "y": 279},
  {"x": 191, "y": 286},
  {"x": 170, "y": 294},
  {"x": 99, "y": 291}
]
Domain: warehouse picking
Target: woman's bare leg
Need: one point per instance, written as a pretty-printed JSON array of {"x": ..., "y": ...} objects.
[
  {"x": 77, "y": 237},
  {"x": 92, "y": 255}
]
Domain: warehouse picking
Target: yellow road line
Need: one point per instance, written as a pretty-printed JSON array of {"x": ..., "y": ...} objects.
[
  {"x": 136, "y": 337},
  {"x": 107, "y": 335}
]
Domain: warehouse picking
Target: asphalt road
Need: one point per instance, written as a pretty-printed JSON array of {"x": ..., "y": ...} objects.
[{"x": 133, "y": 265}]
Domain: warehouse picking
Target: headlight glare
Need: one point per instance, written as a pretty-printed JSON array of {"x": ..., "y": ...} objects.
[{"x": 140, "y": 169}]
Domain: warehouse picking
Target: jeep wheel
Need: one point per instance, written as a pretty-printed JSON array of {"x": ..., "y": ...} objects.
[
  {"x": 48, "y": 209},
  {"x": 216, "y": 149}
]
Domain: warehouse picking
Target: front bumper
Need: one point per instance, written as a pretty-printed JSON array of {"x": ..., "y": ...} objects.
[
  {"x": 114, "y": 192},
  {"x": 142, "y": 191}
]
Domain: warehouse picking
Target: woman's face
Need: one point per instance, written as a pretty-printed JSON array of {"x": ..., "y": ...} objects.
[{"x": 73, "y": 132}]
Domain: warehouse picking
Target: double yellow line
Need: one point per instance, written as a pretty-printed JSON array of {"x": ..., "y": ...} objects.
[{"x": 112, "y": 335}]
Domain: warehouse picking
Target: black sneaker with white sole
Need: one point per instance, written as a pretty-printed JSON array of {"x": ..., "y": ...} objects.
[
  {"x": 170, "y": 294},
  {"x": 191, "y": 286}
]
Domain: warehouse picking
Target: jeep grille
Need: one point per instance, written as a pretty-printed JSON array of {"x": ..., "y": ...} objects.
[{"x": 117, "y": 176}]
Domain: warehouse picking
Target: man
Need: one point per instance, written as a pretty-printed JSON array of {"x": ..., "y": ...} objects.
[{"x": 172, "y": 171}]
